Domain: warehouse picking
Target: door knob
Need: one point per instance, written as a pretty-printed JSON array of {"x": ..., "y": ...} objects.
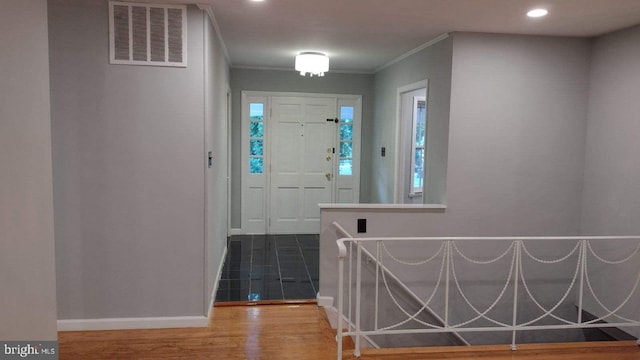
[
  {"x": 328, "y": 176},
  {"x": 328, "y": 158}
]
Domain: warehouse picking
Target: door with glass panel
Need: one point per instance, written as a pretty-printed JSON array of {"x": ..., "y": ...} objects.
[{"x": 298, "y": 152}]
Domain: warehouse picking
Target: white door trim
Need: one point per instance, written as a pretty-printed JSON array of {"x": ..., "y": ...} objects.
[
  {"x": 398, "y": 174},
  {"x": 253, "y": 187},
  {"x": 229, "y": 156},
  {"x": 265, "y": 98}
]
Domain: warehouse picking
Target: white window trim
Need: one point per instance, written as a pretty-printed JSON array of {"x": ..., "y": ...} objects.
[
  {"x": 349, "y": 181},
  {"x": 399, "y": 178},
  {"x": 255, "y": 225}
]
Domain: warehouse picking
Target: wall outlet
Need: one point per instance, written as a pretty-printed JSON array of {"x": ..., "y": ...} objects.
[{"x": 362, "y": 225}]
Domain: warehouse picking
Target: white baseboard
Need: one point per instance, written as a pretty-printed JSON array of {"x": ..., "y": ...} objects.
[
  {"x": 146, "y": 323},
  {"x": 236, "y": 232},
  {"x": 324, "y": 301},
  {"x": 332, "y": 315},
  {"x": 212, "y": 299},
  {"x": 133, "y": 323}
]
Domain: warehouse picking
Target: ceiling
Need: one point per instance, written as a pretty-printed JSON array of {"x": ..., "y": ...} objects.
[{"x": 365, "y": 35}]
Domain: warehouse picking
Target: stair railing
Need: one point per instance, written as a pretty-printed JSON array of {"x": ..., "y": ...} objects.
[{"x": 448, "y": 282}]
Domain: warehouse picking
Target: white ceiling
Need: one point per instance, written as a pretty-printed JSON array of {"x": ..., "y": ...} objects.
[{"x": 364, "y": 35}]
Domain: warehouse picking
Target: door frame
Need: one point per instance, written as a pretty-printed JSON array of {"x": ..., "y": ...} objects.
[
  {"x": 399, "y": 175},
  {"x": 229, "y": 157},
  {"x": 259, "y": 223}
]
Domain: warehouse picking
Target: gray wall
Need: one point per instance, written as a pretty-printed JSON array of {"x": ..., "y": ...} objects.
[
  {"x": 516, "y": 146},
  {"x": 517, "y": 134},
  {"x": 291, "y": 81},
  {"x": 216, "y": 85},
  {"x": 27, "y": 274},
  {"x": 612, "y": 170},
  {"x": 128, "y": 148},
  {"x": 611, "y": 201},
  {"x": 433, "y": 63}
]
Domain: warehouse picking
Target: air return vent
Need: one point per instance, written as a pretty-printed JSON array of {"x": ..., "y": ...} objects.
[{"x": 147, "y": 34}]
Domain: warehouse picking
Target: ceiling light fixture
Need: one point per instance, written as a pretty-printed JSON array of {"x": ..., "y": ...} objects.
[
  {"x": 313, "y": 63},
  {"x": 536, "y": 13}
]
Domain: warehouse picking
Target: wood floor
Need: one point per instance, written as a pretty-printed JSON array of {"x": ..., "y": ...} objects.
[
  {"x": 299, "y": 331},
  {"x": 283, "y": 332}
]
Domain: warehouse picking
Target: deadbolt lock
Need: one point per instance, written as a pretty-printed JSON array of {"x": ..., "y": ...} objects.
[{"x": 328, "y": 176}]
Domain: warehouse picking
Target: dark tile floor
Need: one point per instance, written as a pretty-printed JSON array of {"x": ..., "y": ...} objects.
[{"x": 270, "y": 267}]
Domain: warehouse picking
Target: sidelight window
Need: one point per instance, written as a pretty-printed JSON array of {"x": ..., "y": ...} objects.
[
  {"x": 256, "y": 138},
  {"x": 345, "y": 165},
  {"x": 418, "y": 144}
]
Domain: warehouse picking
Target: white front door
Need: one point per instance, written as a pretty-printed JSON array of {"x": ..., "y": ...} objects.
[
  {"x": 293, "y": 159},
  {"x": 303, "y": 145}
]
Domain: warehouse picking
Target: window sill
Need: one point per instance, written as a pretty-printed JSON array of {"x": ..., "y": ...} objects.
[{"x": 417, "y": 207}]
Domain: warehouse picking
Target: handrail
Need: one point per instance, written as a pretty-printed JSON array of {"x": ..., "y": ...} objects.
[
  {"x": 342, "y": 253},
  {"x": 516, "y": 252},
  {"x": 406, "y": 289},
  {"x": 342, "y": 249},
  {"x": 492, "y": 238}
]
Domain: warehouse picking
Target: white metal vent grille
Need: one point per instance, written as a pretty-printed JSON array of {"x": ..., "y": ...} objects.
[{"x": 147, "y": 34}]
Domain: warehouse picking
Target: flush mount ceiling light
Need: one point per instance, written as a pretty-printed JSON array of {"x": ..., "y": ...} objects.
[
  {"x": 312, "y": 63},
  {"x": 536, "y": 13}
]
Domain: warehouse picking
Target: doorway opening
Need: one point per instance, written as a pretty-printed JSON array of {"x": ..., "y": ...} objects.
[
  {"x": 261, "y": 268},
  {"x": 298, "y": 151}
]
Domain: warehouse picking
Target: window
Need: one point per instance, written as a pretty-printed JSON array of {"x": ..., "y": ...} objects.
[
  {"x": 256, "y": 138},
  {"x": 345, "y": 164},
  {"x": 417, "y": 145},
  {"x": 144, "y": 34}
]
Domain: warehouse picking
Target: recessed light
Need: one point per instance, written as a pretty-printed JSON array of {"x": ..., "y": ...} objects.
[
  {"x": 257, "y": 0},
  {"x": 535, "y": 13}
]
